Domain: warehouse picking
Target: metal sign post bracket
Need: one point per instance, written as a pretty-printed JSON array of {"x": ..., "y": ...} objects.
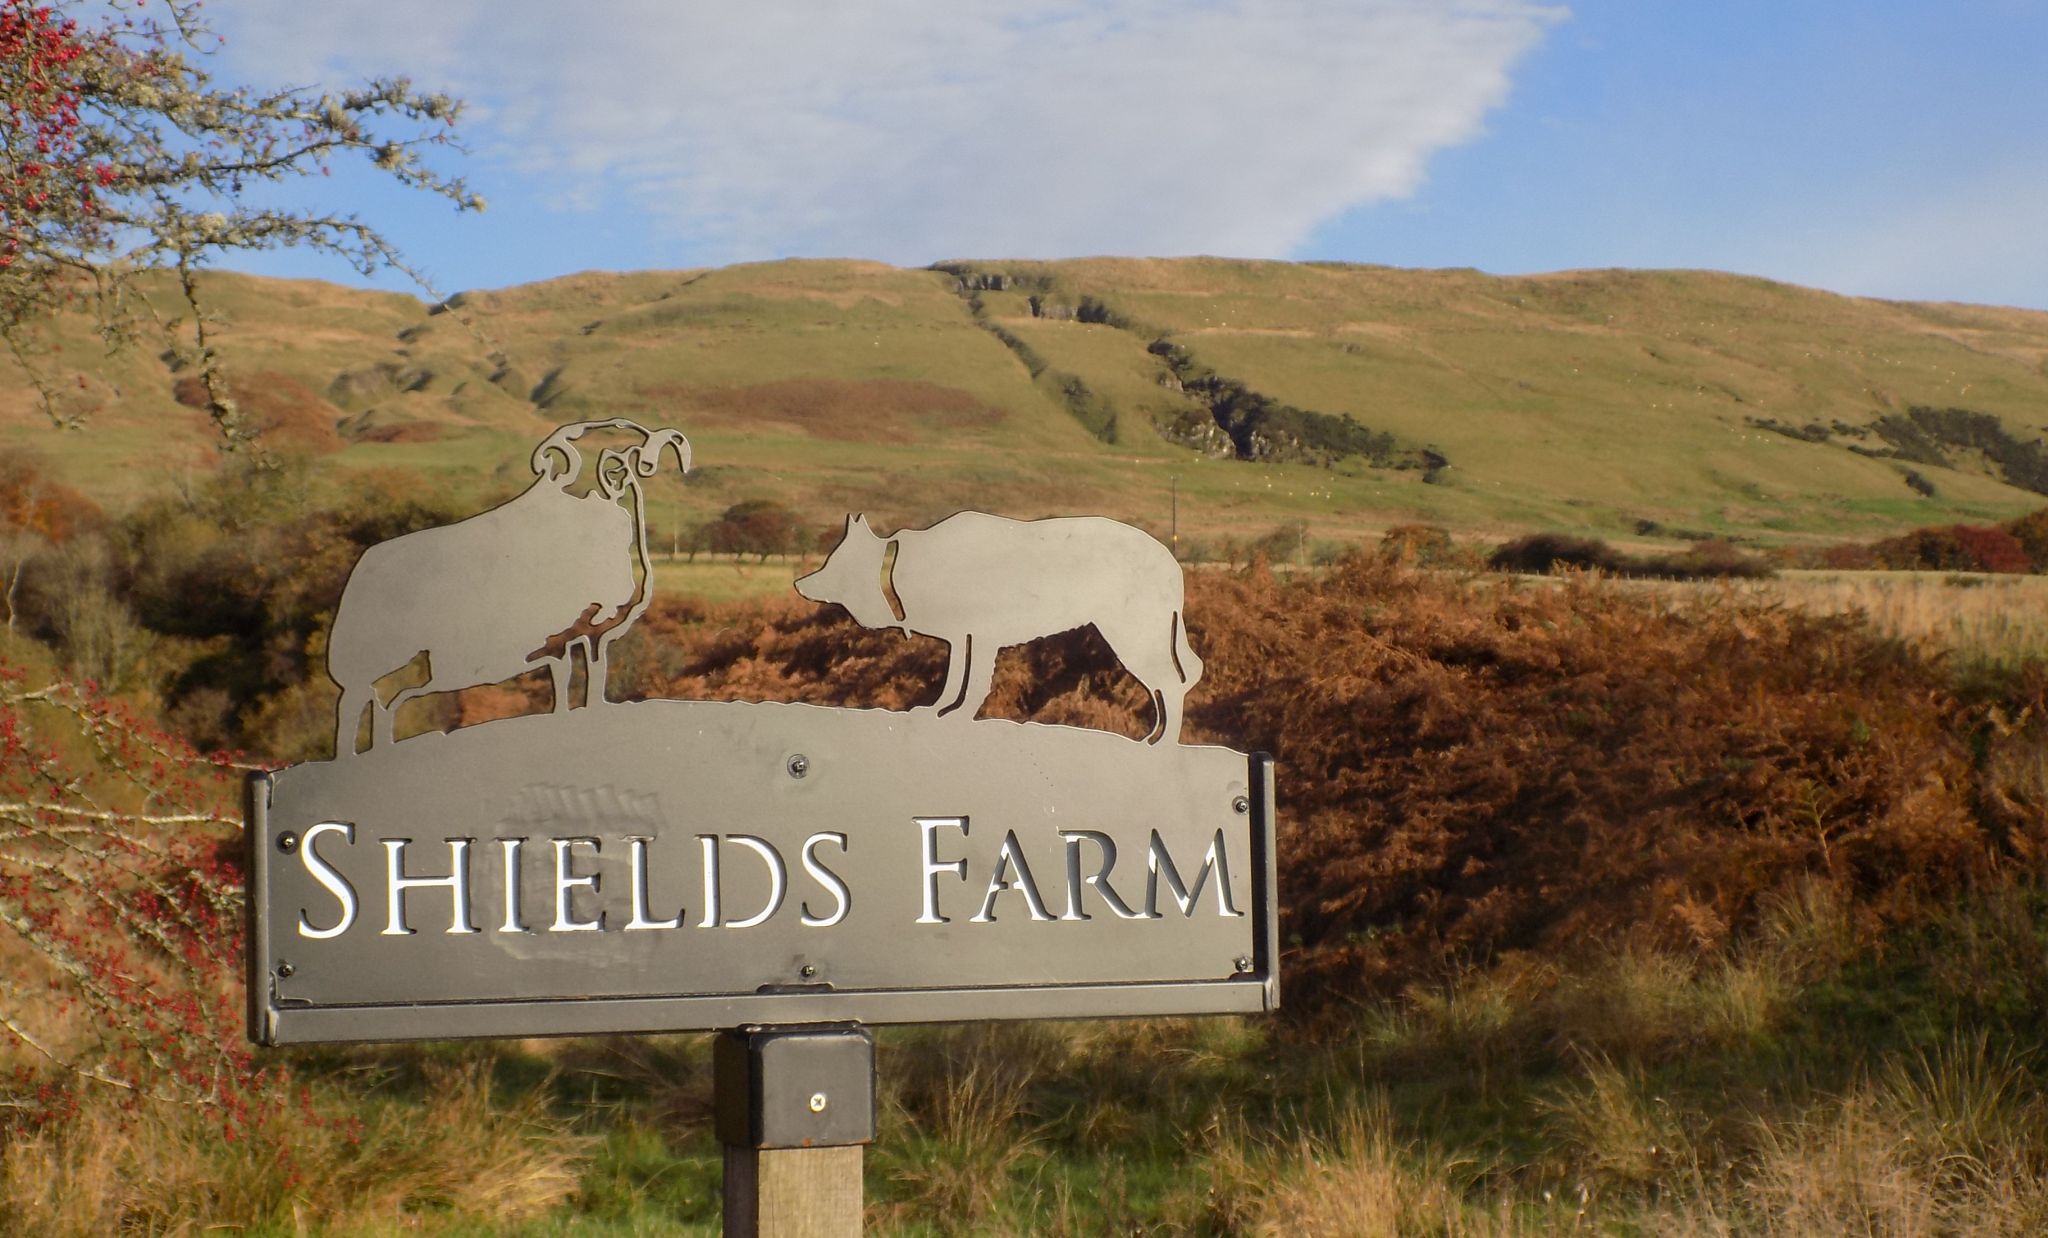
[{"x": 793, "y": 1107}]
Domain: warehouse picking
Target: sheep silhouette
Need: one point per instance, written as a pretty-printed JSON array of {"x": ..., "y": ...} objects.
[
  {"x": 522, "y": 585},
  {"x": 981, "y": 583}
]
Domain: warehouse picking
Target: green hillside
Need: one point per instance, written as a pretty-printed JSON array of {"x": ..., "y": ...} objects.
[{"x": 1629, "y": 403}]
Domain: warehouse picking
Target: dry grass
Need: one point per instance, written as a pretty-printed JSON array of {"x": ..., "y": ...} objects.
[
  {"x": 1859, "y": 1164},
  {"x": 1946, "y": 1140},
  {"x": 1364, "y": 1183},
  {"x": 456, "y": 1157},
  {"x": 959, "y": 1104},
  {"x": 1617, "y": 1131},
  {"x": 1999, "y": 618},
  {"x": 1898, "y": 1158},
  {"x": 1365, "y": 1180}
]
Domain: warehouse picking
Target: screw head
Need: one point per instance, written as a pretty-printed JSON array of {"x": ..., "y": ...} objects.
[
  {"x": 1243, "y": 963},
  {"x": 807, "y": 970},
  {"x": 285, "y": 970},
  {"x": 287, "y": 842},
  {"x": 817, "y": 1102},
  {"x": 799, "y": 765},
  {"x": 1241, "y": 805}
]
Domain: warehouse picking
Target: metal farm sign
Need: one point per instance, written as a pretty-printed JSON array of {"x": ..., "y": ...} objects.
[{"x": 665, "y": 865}]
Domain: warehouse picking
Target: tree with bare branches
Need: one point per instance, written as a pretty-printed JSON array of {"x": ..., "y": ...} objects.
[{"x": 120, "y": 155}]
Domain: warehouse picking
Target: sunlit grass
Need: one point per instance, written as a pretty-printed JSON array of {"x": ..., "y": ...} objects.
[
  {"x": 724, "y": 579},
  {"x": 2000, "y": 618}
]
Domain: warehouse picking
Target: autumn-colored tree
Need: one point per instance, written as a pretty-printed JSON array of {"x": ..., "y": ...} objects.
[
  {"x": 759, "y": 527},
  {"x": 120, "y": 155},
  {"x": 1421, "y": 544},
  {"x": 35, "y": 503},
  {"x": 36, "y": 512},
  {"x": 1992, "y": 549},
  {"x": 1955, "y": 548},
  {"x": 2031, "y": 531}
]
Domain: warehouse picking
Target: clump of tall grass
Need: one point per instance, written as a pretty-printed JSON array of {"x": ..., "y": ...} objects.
[
  {"x": 1951, "y": 1141},
  {"x": 459, "y": 1155},
  {"x": 1363, "y": 1181},
  {"x": 958, "y": 1122}
]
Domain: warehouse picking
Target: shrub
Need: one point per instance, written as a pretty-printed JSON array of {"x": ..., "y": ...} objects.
[
  {"x": 1992, "y": 549},
  {"x": 1713, "y": 559},
  {"x": 1540, "y": 553},
  {"x": 2031, "y": 531},
  {"x": 1850, "y": 557},
  {"x": 1956, "y": 548},
  {"x": 120, "y": 891},
  {"x": 1283, "y": 543},
  {"x": 132, "y": 1100},
  {"x": 1088, "y": 406},
  {"x": 1425, "y": 545}
]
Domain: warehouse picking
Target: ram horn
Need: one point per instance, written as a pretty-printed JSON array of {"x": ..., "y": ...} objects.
[
  {"x": 556, "y": 445},
  {"x": 647, "y": 458}
]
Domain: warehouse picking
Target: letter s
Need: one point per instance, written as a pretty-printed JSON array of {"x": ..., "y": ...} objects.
[
  {"x": 827, "y": 878},
  {"x": 324, "y": 873}
]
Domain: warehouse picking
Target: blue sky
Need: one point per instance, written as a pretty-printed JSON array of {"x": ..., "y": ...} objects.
[{"x": 1880, "y": 148}]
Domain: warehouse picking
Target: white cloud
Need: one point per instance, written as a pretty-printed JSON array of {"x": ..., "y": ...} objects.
[{"x": 912, "y": 130}]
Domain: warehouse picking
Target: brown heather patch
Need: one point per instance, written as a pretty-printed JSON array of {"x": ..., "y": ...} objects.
[
  {"x": 872, "y": 410},
  {"x": 404, "y": 432},
  {"x": 1471, "y": 768},
  {"x": 287, "y": 413}
]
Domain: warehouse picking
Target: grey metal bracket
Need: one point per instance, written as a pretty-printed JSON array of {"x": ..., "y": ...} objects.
[{"x": 794, "y": 1087}]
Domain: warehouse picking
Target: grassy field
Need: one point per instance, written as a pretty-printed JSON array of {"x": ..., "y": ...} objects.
[
  {"x": 1592, "y": 399},
  {"x": 1604, "y": 402},
  {"x": 728, "y": 580}
]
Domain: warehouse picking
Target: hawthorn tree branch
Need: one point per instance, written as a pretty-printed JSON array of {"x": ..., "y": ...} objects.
[{"x": 120, "y": 155}]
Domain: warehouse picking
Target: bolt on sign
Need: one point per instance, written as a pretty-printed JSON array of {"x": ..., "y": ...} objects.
[{"x": 669, "y": 865}]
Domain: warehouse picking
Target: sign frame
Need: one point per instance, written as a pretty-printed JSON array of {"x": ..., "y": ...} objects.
[{"x": 1254, "y": 989}]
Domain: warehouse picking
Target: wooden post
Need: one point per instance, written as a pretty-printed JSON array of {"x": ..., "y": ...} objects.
[
  {"x": 793, "y": 1192},
  {"x": 794, "y": 1105}
]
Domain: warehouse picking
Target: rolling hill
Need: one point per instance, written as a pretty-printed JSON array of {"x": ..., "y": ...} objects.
[{"x": 1227, "y": 396}]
